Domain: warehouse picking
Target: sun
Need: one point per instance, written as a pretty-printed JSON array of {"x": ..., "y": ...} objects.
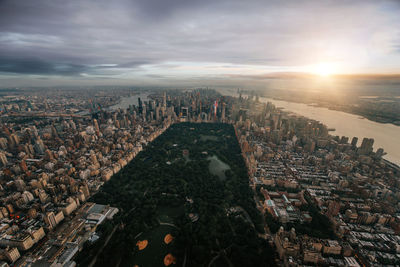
[{"x": 324, "y": 69}]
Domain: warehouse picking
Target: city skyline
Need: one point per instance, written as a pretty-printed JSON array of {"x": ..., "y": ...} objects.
[
  {"x": 177, "y": 42},
  {"x": 199, "y": 133},
  {"x": 133, "y": 177}
]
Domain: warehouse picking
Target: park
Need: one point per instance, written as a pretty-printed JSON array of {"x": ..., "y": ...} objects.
[{"x": 190, "y": 187}]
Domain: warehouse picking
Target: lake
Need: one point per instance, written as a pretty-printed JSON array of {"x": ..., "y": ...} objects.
[
  {"x": 208, "y": 138},
  {"x": 218, "y": 167}
]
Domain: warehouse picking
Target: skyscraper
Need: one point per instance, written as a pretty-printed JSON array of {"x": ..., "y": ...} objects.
[
  {"x": 96, "y": 127},
  {"x": 140, "y": 104}
]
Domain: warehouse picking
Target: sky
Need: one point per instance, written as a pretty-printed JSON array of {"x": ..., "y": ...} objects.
[{"x": 156, "y": 42}]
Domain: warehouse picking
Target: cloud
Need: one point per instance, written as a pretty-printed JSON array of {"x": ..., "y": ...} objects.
[
  {"x": 151, "y": 37},
  {"x": 34, "y": 66}
]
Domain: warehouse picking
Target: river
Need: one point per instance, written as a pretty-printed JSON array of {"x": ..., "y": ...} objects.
[
  {"x": 386, "y": 136},
  {"x": 131, "y": 100}
]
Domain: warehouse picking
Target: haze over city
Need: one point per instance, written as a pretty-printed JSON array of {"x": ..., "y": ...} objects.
[
  {"x": 199, "y": 133},
  {"x": 45, "y": 43}
]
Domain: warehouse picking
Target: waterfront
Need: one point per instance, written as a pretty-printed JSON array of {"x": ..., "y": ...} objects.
[{"x": 386, "y": 135}]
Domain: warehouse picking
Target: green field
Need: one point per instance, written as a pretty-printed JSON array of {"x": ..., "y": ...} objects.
[{"x": 154, "y": 253}]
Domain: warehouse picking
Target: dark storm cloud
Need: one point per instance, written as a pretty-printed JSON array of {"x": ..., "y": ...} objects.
[
  {"x": 153, "y": 38},
  {"x": 34, "y": 66},
  {"x": 132, "y": 64},
  {"x": 162, "y": 9},
  {"x": 40, "y": 67}
]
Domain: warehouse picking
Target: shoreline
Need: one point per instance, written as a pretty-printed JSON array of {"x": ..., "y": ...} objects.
[
  {"x": 364, "y": 116},
  {"x": 384, "y": 134}
]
